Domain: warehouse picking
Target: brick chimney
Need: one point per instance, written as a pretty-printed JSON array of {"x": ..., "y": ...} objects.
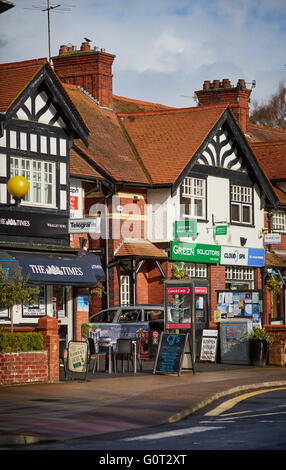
[
  {"x": 223, "y": 93},
  {"x": 91, "y": 69}
]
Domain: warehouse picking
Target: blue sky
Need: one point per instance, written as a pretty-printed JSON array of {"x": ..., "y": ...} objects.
[{"x": 164, "y": 49}]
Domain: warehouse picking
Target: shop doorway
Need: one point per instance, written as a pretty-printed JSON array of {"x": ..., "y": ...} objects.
[{"x": 63, "y": 310}]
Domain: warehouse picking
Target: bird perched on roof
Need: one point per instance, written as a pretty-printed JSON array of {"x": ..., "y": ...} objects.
[{"x": 87, "y": 40}]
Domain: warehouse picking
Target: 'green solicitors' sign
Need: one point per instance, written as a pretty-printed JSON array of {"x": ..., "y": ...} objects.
[{"x": 195, "y": 252}]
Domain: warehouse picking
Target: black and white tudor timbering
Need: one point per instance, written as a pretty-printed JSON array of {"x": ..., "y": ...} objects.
[{"x": 38, "y": 126}]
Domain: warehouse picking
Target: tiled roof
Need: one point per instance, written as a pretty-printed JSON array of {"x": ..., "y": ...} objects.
[
  {"x": 139, "y": 249},
  {"x": 166, "y": 140},
  {"x": 108, "y": 146},
  {"x": 280, "y": 194},
  {"x": 275, "y": 259},
  {"x": 81, "y": 168},
  {"x": 14, "y": 77},
  {"x": 128, "y": 105},
  {"x": 271, "y": 157},
  {"x": 257, "y": 133}
]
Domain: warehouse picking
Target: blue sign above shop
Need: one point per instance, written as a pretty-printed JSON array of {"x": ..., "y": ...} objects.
[
  {"x": 256, "y": 257},
  {"x": 51, "y": 269}
]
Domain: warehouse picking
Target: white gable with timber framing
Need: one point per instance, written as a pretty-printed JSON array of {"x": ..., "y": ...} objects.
[{"x": 38, "y": 129}]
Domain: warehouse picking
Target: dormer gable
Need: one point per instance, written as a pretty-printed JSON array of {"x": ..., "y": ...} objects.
[{"x": 34, "y": 93}]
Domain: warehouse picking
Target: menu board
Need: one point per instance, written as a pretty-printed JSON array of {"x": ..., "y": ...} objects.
[
  {"x": 174, "y": 352},
  {"x": 77, "y": 357}
]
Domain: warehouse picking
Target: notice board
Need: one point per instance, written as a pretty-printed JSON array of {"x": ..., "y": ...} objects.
[{"x": 173, "y": 354}]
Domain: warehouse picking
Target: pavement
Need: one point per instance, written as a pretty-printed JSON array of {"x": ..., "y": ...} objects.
[{"x": 104, "y": 403}]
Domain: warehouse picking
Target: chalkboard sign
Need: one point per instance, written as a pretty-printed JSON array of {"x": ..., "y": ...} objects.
[{"x": 173, "y": 354}]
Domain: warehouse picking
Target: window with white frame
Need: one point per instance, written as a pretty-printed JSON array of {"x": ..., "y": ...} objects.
[
  {"x": 241, "y": 204},
  {"x": 194, "y": 197},
  {"x": 124, "y": 290},
  {"x": 196, "y": 270},
  {"x": 41, "y": 176},
  {"x": 239, "y": 275},
  {"x": 279, "y": 221}
]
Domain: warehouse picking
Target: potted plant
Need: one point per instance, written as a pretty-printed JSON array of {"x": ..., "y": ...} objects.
[
  {"x": 259, "y": 340},
  {"x": 178, "y": 271},
  {"x": 273, "y": 284}
]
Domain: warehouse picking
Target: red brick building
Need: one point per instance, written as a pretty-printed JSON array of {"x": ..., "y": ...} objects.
[
  {"x": 142, "y": 154},
  {"x": 147, "y": 170}
]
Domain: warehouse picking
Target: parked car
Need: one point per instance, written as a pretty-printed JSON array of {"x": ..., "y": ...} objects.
[{"x": 153, "y": 314}]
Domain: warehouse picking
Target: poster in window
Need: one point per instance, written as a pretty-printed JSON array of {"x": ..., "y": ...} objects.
[{"x": 36, "y": 307}]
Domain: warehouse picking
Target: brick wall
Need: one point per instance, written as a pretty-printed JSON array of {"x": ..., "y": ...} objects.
[
  {"x": 23, "y": 367},
  {"x": 87, "y": 68},
  {"x": 276, "y": 355},
  {"x": 216, "y": 275},
  {"x": 33, "y": 366}
]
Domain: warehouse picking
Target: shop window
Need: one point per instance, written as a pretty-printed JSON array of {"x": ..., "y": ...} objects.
[
  {"x": 239, "y": 278},
  {"x": 36, "y": 307},
  {"x": 59, "y": 302},
  {"x": 196, "y": 270},
  {"x": 194, "y": 197},
  {"x": 4, "y": 313},
  {"x": 279, "y": 221},
  {"x": 241, "y": 204},
  {"x": 42, "y": 178},
  {"x": 124, "y": 290}
]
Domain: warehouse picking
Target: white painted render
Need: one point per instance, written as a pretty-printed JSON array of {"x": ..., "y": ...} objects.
[{"x": 163, "y": 210}]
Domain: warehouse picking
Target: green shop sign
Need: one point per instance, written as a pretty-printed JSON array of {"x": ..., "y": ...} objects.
[
  {"x": 195, "y": 252},
  {"x": 221, "y": 230},
  {"x": 185, "y": 228}
]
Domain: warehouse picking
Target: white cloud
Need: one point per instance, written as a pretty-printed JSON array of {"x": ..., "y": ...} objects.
[{"x": 164, "y": 48}]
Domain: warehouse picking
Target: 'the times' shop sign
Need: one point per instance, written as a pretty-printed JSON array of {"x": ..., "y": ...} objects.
[{"x": 194, "y": 252}]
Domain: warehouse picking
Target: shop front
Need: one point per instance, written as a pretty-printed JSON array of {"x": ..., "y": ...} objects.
[
  {"x": 231, "y": 273},
  {"x": 63, "y": 282}
]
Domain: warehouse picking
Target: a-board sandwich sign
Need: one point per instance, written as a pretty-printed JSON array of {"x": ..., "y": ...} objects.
[
  {"x": 209, "y": 345},
  {"x": 173, "y": 354},
  {"x": 77, "y": 359}
]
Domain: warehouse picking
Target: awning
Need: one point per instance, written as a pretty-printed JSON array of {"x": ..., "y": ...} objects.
[
  {"x": 139, "y": 248},
  {"x": 81, "y": 271},
  {"x": 275, "y": 259}
]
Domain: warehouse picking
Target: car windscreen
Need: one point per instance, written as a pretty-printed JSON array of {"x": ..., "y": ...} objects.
[
  {"x": 128, "y": 315},
  {"x": 106, "y": 316}
]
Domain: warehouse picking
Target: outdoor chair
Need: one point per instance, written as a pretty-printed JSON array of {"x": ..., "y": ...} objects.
[
  {"x": 62, "y": 350},
  {"x": 139, "y": 359},
  {"x": 93, "y": 353},
  {"x": 103, "y": 350},
  {"x": 124, "y": 349}
]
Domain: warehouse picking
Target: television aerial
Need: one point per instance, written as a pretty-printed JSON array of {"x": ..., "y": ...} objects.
[{"x": 48, "y": 7}]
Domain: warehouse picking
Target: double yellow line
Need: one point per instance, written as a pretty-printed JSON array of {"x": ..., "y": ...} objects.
[{"x": 228, "y": 404}]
